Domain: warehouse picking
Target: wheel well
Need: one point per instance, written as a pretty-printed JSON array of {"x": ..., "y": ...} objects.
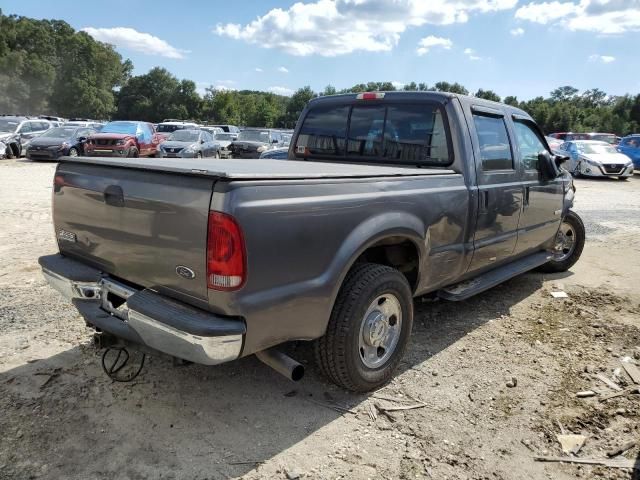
[{"x": 395, "y": 252}]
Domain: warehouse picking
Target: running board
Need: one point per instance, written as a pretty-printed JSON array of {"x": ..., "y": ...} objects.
[{"x": 469, "y": 288}]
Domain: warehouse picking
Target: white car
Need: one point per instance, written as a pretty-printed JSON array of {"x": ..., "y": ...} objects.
[{"x": 593, "y": 158}]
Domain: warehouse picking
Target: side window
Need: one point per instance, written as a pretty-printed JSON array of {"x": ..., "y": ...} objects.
[
  {"x": 25, "y": 128},
  {"x": 416, "y": 134},
  {"x": 529, "y": 144},
  {"x": 323, "y": 132},
  {"x": 365, "y": 132},
  {"x": 44, "y": 126},
  {"x": 495, "y": 150}
]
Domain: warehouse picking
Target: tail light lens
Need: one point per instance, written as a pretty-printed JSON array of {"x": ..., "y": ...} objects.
[{"x": 226, "y": 255}]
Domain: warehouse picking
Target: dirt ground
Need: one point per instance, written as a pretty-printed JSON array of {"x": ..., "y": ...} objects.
[{"x": 61, "y": 417}]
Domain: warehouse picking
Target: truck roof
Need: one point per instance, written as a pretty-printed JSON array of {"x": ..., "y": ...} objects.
[
  {"x": 439, "y": 97},
  {"x": 254, "y": 169}
]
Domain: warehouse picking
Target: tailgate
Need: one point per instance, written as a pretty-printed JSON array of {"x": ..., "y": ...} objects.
[{"x": 137, "y": 225}]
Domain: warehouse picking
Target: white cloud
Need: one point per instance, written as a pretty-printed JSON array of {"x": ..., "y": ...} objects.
[
  {"x": 281, "y": 91},
  {"x": 338, "y": 27},
  {"x": 602, "y": 58},
  {"x": 259, "y": 70},
  {"x": 599, "y": 16},
  {"x": 398, "y": 85},
  {"x": 517, "y": 32},
  {"x": 125, "y": 37},
  {"x": 283, "y": 70},
  {"x": 427, "y": 43},
  {"x": 471, "y": 54}
]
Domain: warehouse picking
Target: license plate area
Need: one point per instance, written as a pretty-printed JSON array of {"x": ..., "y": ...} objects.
[{"x": 113, "y": 297}]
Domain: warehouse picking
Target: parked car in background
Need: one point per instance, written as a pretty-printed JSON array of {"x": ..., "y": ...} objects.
[
  {"x": 167, "y": 127},
  {"x": 554, "y": 144},
  {"x": 193, "y": 143},
  {"x": 124, "y": 139},
  {"x": 610, "y": 138},
  {"x": 57, "y": 142},
  {"x": 252, "y": 142},
  {"x": 82, "y": 123},
  {"x": 630, "y": 146},
  {"x": 52, "y": 119},
  {"x": 559, "y": 135},
  {"x": 230, "y": 129},
  {"x": 594, "y": 158},
  {"x": 225, "y": 139},
  {"x": 281, "y": 153},
  {"x": 16, "y": 131}
]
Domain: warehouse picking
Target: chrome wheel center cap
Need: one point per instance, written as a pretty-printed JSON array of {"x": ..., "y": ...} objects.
[{"x": 376, "y": 329}]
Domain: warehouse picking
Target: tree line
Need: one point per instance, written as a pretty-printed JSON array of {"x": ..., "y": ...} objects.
[{"x": 48, "y": 67}]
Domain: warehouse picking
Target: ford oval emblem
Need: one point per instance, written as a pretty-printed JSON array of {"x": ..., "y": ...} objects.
[{"x": 185, "y": 272}]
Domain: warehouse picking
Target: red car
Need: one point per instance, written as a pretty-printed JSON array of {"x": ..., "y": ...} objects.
[{"x": 124, "y": 139}]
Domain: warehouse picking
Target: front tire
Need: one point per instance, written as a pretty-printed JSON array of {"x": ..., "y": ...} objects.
[
  {"x": 368, "y": 330},
  {"x": 73, "y": 152},
  {"x": 133, "y": 152},
  {"x": 569, "y": 244}
]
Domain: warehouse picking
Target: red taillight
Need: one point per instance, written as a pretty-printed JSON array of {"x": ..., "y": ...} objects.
[
  {"x": 370, "y": 96},
  {"x": 226, "y": 258}
]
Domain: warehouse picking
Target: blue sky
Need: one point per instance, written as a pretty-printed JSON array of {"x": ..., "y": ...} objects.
[{"x": 514, "y": 47}]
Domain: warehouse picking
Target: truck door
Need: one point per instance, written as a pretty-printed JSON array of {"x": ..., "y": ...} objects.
[
  {"x": 500, "y": 190},
  {"x": 542, "y": 204}
]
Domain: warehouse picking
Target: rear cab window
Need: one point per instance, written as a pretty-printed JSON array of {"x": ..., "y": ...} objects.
[{"x": 377, "y": 132}]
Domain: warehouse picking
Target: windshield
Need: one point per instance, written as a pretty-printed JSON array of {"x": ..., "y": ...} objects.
[
  {"x": 59, "y": 132},
  {"x": 596, "y": 148},
  {"x": 169, "y": 128},
  {"x": 254, "y": 136},
  {"x": 128, "y": 128},
  {"x": 611, "y": 139},
  {"x": 8, "y": 125},
  {"x": 224, "y": 136},
  {"x": 184, "y": 136}
]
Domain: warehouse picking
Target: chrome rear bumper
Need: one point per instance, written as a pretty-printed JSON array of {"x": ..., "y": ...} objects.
[{"x": 145, "y": 317}]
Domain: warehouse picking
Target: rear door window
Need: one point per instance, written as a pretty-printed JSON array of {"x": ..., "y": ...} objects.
[
  {"x": 323, "y": 132},
  {"x": 416, "y": 133},
  {"x": 493, "y": 140},
  {"x": 385, "y": 133},
  {"x": 365, "y": 132}
]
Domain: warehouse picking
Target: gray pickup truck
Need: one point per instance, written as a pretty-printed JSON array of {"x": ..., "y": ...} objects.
[{"x": 384, "y": 197}]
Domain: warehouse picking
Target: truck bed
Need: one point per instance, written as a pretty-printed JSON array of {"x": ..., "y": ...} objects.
[{"x": 258, "y": 169}]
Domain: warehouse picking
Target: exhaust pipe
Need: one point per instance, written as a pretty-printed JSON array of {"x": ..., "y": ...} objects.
[{"x": 281, "y": 363}]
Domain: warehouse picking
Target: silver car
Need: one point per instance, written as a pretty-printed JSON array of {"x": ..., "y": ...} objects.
[
  {"x": 189, "y": 144},
  {"x": 593, "y": 158}
]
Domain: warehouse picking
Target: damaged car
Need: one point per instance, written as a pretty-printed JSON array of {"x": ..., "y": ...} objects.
[{"x": 593, "y": 158}]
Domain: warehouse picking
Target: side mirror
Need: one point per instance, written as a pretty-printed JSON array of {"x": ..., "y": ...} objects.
[
  {"x": 548, "y": 165},
  {"x": 82, "y": 139},
  {"x": 201, "y": 141}
]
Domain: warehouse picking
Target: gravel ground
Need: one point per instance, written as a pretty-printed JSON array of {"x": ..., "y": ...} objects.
[{"x": 61, "y": 417}]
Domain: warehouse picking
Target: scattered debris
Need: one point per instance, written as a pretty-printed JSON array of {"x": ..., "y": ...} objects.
[
  {"x": 512, "y": 383},
  {"x": 571, "y": 443},
  {"x": 609, "y": 396},
  {"x": 607, "y": 462},
  {"x": 608, "y": 382},
  {"x": 586, "y": 394},
  {"x": 371, "y": 411},
  {"x": 632, "y": 371},
  {"x": 559, "y": 294},
  {"x": 337, "y": 408},
  {"x": 399, "y": 408},
  {"x": 621, "y": 449}
]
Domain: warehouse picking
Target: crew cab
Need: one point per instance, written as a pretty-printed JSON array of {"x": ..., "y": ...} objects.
[
  {"x": 124, "y": 139},
  {"x": 384, "y": 197},
  {"x": 252, "y": 142}
]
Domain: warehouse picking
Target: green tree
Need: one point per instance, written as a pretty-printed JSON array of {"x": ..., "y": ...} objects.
[
  {"x": 487, "y": 95},
  {"x": 296, "y": 104}
]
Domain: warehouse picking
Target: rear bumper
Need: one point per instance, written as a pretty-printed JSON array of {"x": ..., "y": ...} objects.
[{"x": 145, "y": 317}]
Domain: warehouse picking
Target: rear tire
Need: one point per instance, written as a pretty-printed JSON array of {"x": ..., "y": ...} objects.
[
  {"x": 569, "y": 244},
  {"x": 368, "y": 330}
]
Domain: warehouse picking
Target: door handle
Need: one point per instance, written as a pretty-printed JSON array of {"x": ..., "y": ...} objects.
[
  {"x": 114, "y": 196},
  {"x": 484, "y": 201}
]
